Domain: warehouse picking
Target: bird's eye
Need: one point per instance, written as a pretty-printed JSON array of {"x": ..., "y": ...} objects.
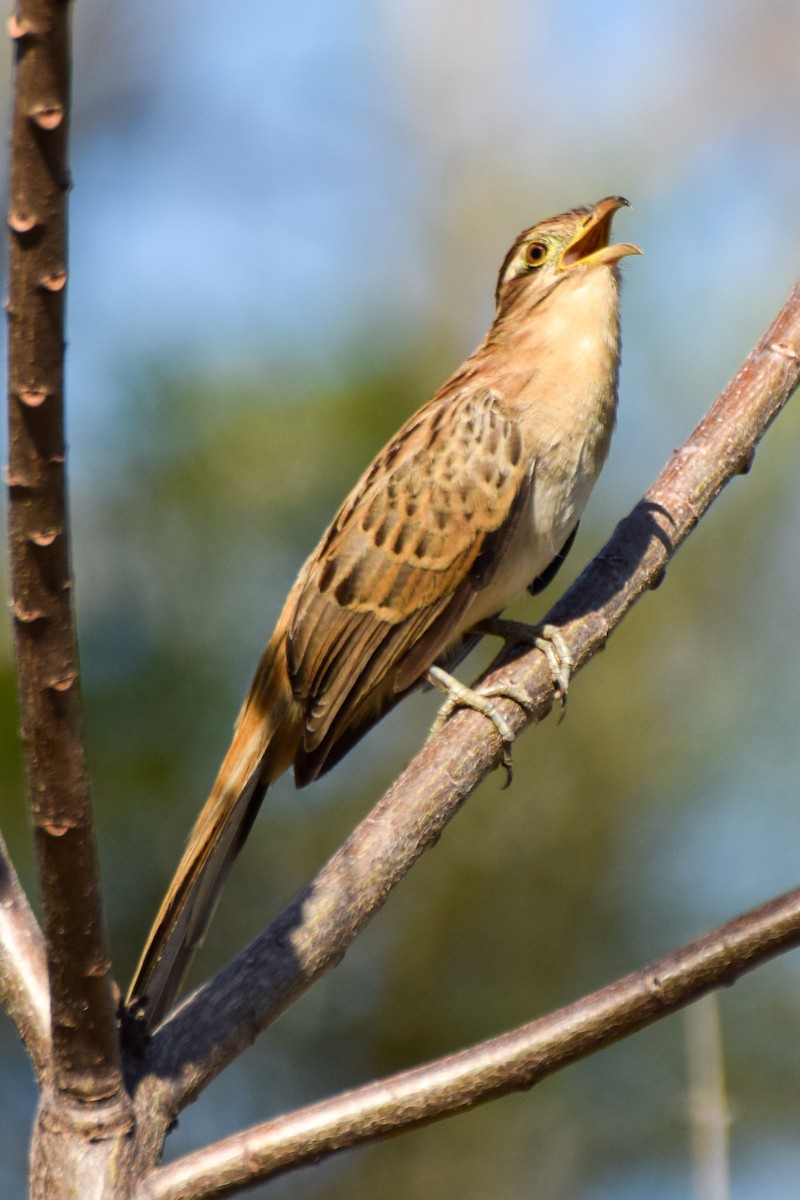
[{"x": 535, "y": 254}]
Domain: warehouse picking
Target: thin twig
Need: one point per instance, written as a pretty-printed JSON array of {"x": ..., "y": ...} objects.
[
  {"x": 708, "y": 1112},
  {"x": 86, "y": 1061},
  {"x": 513, "y": 1062},
  {"x": 228, "y": 1013},
  {"x": 24, "y": 991}
]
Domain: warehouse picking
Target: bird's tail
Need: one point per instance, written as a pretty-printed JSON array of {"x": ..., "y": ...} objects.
[{"x": 263, "y": 747}]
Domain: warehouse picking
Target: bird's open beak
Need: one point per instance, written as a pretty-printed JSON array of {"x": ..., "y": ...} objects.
[{"x": 590, "y": 245}]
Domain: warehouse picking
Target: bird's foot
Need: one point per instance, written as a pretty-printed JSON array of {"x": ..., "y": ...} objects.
[
  {"x": 547, "y": 638},
  {"x": 461, "y": 696}
]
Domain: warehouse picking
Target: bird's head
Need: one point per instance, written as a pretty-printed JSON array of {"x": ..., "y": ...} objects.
[{"x": 560, "y": 248}]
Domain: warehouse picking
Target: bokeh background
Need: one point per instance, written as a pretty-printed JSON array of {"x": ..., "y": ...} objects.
[{"x": 286, "y": 225}]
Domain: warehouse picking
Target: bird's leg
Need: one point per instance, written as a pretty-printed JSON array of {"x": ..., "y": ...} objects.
[
  {"x": 547, "y": 638},
  {"x": 461, "y": 696}
]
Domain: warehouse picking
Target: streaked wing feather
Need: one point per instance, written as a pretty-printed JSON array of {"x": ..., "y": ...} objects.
[{"x": 386, "y": 591}]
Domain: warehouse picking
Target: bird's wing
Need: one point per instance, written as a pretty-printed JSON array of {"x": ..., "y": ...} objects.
[{"x": 386, "y": 591}]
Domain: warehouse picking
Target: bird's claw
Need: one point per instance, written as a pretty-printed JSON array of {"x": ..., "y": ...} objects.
[
  {"x": 550, "y": 640},
  {"x": 461, "y": 696},
  {"x": 547, "y": 638}
]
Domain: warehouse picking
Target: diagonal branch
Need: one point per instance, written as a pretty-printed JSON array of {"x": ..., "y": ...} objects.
[
  {"x": 513, "y": 1062},
  {"x": 86, "y": 1061},
  {"x": 23, "y": 968},
  {"x": 228, "y": 1013}
]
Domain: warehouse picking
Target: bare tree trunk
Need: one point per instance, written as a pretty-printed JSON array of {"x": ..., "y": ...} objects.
[{"x": 83, "y": 1092}]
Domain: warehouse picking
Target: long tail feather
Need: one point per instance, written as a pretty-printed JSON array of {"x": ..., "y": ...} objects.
[{"x": 263, "y": 747}]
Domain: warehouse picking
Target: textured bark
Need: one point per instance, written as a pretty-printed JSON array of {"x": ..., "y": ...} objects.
[{"x": 84, "y": 1093}]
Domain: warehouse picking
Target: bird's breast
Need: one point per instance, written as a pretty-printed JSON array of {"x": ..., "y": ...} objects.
[
  {"x": 559, "y": 493},
  {"x": 564, "y": 403}
]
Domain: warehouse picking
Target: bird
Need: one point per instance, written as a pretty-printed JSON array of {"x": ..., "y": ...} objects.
[{"x": 474, "y": 500}]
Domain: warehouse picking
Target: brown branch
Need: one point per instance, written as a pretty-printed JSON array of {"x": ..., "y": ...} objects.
[
  {"x": 24, "y": 991},
  {"x": 513, "y": 1062},
  {"x": 227, "y": 1014},
  {"x": 86, "y": 1061}
]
